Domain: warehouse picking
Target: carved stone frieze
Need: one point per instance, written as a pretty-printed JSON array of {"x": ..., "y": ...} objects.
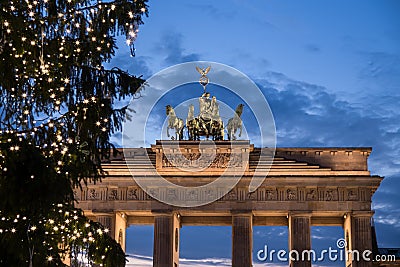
[
  {"x": 231, "y": 195},
  {"x": 331, "y": 194},
  {"x": 172, "y": 194},
  {"x": 133, "y": 194},
  {"x": 195, "y": 160},
  {"x": 270, "y": 194},
  {"x": 92, "y": 194},
  {"x": 311, "y": 194},
  {"x": 113, "y": 194},
  {"x": 152, "y": 193},
  {"x": 291, "y": 194},
  {"x": 77, "y": 194},
  {"x": 236, "y": 194},
  {"x": 252, "y": 195},
  {"x": 352, "y": 194}
]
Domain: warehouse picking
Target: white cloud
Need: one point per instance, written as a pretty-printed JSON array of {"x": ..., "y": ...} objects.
[
  {"x": 390, "y": 220},
  {"x": 381, "y": 205},
  {"x": 319, "y": 237}
]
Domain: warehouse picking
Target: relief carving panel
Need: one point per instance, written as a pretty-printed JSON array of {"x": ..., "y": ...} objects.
[
  {"x": 194, "y": 160},
  {"x": 311, "y": 194},
  {"x": 113, "y": 194},
  {"x": 92, "y": 194}
]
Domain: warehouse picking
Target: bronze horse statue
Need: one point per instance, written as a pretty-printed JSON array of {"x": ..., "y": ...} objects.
[
  {"x": 235, "y": 123},
  {"x": 174, "y": 123},
  {"x": 192, "y": 124}
]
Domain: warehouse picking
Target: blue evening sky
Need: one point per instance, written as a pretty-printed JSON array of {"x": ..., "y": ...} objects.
[{"x": 330, "y": 71}]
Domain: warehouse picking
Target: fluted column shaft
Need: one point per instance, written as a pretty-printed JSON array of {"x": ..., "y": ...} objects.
[
  {"x": 357, "y": 230},
  {"x": 242, "y": 240},
  {"x": 166, "y": 240},
  {"x": 299, "y": 239}
]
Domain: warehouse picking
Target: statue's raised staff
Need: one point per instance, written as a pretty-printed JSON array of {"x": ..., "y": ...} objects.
[
  {"x": 174, "y": 123},
  {"x": 235, "y": 123},
  {"x": 208, "y": 123}
]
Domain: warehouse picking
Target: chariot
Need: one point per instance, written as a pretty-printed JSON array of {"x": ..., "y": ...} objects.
[{"x": 208, "y": 123}]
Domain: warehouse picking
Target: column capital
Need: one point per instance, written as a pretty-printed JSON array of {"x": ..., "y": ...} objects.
[
  {"x": 103, "y": 213},
  {"x": 122, "y": 215},
  {"x": 162, "y": 212},
  {"x": 299, "y": 214},
  {"x": 242, "y": 212},
  {"x": 369, "y": 213}
]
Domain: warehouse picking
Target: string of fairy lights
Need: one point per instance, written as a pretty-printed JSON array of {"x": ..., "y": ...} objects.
[
  {"x": 75, "y": 230},
  {"x": 36, "y": 68},
  {"x": 67, "y": 33}
]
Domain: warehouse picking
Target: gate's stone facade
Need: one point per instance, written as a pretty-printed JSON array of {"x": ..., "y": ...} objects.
[{"x": 304, "y": 187}]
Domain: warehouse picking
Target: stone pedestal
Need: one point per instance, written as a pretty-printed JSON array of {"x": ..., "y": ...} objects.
[
  {"x": 299, "y": 239},
  {"x": 357, "y": 231},
  {"x": 166, "y": 240},
  {"x": 242, "y": 239}
]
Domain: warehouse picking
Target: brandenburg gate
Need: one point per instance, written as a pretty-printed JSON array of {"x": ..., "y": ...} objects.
[
  {"x": 304, "y": 187},
  {"x": 231, "y": 182}
]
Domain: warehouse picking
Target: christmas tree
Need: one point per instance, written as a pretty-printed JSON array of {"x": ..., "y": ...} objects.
[{"x": 57, "y": 112}]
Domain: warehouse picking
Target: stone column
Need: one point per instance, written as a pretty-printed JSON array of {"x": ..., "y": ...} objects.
[
  {"x": 120, "y": 229},
  {"x": 242, "y": 239},
  {"x": 357, "y": 232},
  {"x": 166, "y": 240},
  {"x": 299, "y": 239}
]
